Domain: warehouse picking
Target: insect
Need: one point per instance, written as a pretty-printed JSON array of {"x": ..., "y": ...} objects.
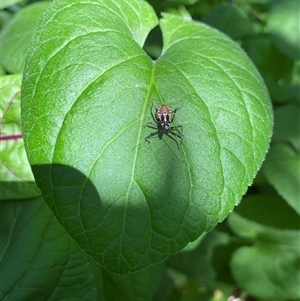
[{"x": 163, "y": 118}]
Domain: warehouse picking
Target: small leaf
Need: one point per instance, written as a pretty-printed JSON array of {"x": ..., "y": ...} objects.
[
  {"x": 5, "y": 17},
  {"x": 7, "y": 3},
  {"x": 282, "y": 171},
  {"x": 277, "y": 76},
  {"x": 130, "y": 204},
  {"x": 287, "y": 37},
  {"x": 139, "y": 286},
  {"x": 231, "y": 20},
  {"x": 254, "y": 208},
  {"x": 258, "y": 1},
  {"x": 185, "y": 2},
  {"x": 198, "y": 263},
  {"x": 16, "y": 35},
  {"x": 283, "y": 160},
  {"x": 15, "y": 171},
  {"x": 270, "y": 269},
  {"x": 39, "y": 260},
  {"x": 286, "y": 127}
]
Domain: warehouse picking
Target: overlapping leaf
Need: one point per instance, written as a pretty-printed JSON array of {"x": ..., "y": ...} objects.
[
  {"x": 268, "y": 269},
  {"x": 16, "y": 36},
  {"x": 16, "y": 179},
  {"x": 38, "y": 257},
  {"x": 87, "y": 92}
]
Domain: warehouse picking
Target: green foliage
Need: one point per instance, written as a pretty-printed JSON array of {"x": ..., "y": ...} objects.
[
  {"x": 283, "y": 162},
  {"x": 49, "y": 257},
  {"x": 231, "y": 123},
  {"x": 285, "y": 37},
  {"x": 15, "y": 173},
  {"x": 88, "y": 91},
  {"x": 8, "y": 3},
  {"x": 264, "y": 260},
  {"x": 277, "y": 76},
  {"x": 228, "y": 18},
  {"x": 16, "y": 36}
]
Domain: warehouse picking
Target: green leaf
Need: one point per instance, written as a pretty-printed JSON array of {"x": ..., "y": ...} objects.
[
  {"x": 185, "y": 2},
  {"x": 257, "y": 1},
  {"x": 294, "y": 89},
  {"x": 194, "y": 244},
  {"x": 16, "y": 178},
  {"x": 277, "y": 76},
  {"x": 231, "y": 20},
  {"x": 283, "y": 160},
  {"x": 197, "y": 263},
  {"x": 39, "y": 260},
  {"x": 16, "y": 35},
  {"x": 139, "y": 286},
  {"x": 286, "y": 129},
  {"x": 254, "y": 208},
  {"x": 5, "y": 17},
  {"x": 87, "y": 94},
  {"x": 270, "y": 269},
  {"x": 283, "y": 25},
  {"x": 2, "y": 71},
  {"x": 282, "y": 171},
  {"x": 7, "y": 3}
]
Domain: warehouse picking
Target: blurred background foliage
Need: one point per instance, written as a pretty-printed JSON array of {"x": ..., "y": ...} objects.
[{"x": 254, "y": 253}]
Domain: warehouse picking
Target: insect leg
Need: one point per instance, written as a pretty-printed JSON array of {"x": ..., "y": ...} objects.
[
  {"x": 178, "y": 135},
  {"x": 175, "y": 128},
  {"x": 148, "y": 138},
  {"x": 151, "y": 125},
  {"x": 178, "y": 144},
  {"x": 176, "y": 109},
  {"x": 153, "y": 115}
]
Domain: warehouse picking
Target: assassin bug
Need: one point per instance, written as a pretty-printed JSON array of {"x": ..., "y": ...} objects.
[{"x": 163, "y": 118}]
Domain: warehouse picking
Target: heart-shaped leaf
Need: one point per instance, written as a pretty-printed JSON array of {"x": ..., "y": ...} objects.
[{"x": 87, "y": 93}]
